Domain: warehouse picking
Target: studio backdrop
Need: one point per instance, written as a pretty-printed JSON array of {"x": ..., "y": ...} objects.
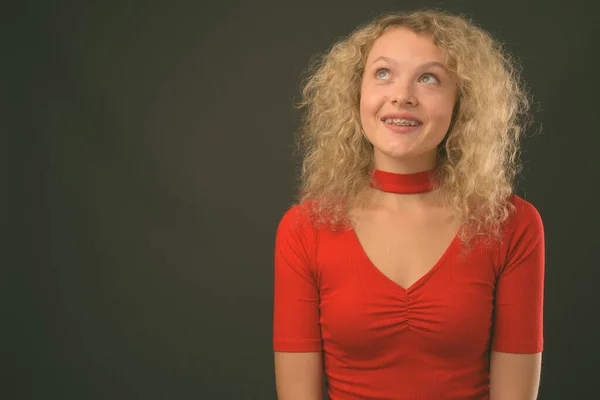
[{"x": 153, "y": 157}]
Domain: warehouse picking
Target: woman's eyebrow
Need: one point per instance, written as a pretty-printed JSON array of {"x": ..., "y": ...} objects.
[{"x": 422, "y": 66}]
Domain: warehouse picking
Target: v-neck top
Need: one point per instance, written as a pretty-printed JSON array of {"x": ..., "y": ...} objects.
[{"x": 431, "y": 340}]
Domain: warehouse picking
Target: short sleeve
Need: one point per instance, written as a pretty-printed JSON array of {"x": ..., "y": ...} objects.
[
  {"x": 296, "y": 296},
  {"x": 518, "y": 320}
]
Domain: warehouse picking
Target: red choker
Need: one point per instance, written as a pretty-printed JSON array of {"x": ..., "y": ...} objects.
[{"x": 392, "y": 182}]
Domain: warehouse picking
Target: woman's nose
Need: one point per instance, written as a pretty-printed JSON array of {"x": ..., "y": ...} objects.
[{"x": 403, "y": 94}]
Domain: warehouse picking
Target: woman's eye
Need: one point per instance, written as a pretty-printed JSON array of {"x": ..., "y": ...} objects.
[
  {"x": 381, "y": 73},
  {"x": 429, "y": 78}
]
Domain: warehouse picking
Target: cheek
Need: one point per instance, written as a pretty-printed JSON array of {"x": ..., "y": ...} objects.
[
  {"x": 442, "y": 111},
  {"x": 364, "y": 110},
  {"x": 369, "y": 105}
]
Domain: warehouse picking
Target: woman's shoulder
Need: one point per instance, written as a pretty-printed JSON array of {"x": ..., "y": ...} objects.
[
  {"x": 296, "y": 230},
  {"x": 525, "y": 218},
  {"x": 296, "y": 218},
  {"x": 524, "y": 211}
]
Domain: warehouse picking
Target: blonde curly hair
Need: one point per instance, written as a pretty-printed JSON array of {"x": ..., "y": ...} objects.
[{"x": 478, "y": 158}]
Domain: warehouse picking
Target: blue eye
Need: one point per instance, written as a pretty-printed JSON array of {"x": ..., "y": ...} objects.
[
  {"x": 379, "y": 75},
  {"x": 429, "y": 78}
]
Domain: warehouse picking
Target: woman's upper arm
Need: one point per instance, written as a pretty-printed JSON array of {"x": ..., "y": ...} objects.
[
  {"x": 299, "y": 376},
  {"x": 515, "y": 361},
  {"x": 519, "y": 297},
  {"x": 296, "y": 295},
  {"x": 296, "y": 330}
]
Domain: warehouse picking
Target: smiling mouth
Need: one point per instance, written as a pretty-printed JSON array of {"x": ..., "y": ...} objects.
[{"x": 401, "y": 122}]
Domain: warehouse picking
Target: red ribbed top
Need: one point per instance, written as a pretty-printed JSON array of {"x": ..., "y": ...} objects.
[{"x": 429, "y": 341}]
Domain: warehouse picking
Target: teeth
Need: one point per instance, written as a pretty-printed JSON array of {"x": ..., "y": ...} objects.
[{"x": 402, "y": 122}]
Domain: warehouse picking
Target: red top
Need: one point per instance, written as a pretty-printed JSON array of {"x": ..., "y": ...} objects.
[{"x": 430, "y": 341}]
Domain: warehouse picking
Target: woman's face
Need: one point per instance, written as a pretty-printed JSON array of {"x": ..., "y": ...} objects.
[{"x": 406, "y": 102}]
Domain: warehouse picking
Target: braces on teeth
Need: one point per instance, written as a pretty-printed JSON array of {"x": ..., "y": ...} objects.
[{"x": 402, "y": 122}]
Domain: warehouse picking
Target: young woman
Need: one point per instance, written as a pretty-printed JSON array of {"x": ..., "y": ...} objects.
[{"x": 409, "y": 269}]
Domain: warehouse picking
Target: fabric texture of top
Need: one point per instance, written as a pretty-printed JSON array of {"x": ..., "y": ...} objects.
[{"x": 431, "y": 340}]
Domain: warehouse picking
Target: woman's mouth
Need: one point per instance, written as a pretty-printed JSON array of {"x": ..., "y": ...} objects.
[
  {"x": 401, "y": 125},
  {"x": 402, "y": 122}
]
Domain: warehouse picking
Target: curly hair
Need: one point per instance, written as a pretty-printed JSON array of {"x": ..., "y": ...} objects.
[{"x": 477, "y": 160}]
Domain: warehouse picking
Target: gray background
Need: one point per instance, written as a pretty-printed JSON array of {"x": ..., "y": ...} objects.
[{"x": 150, "y": 159}]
